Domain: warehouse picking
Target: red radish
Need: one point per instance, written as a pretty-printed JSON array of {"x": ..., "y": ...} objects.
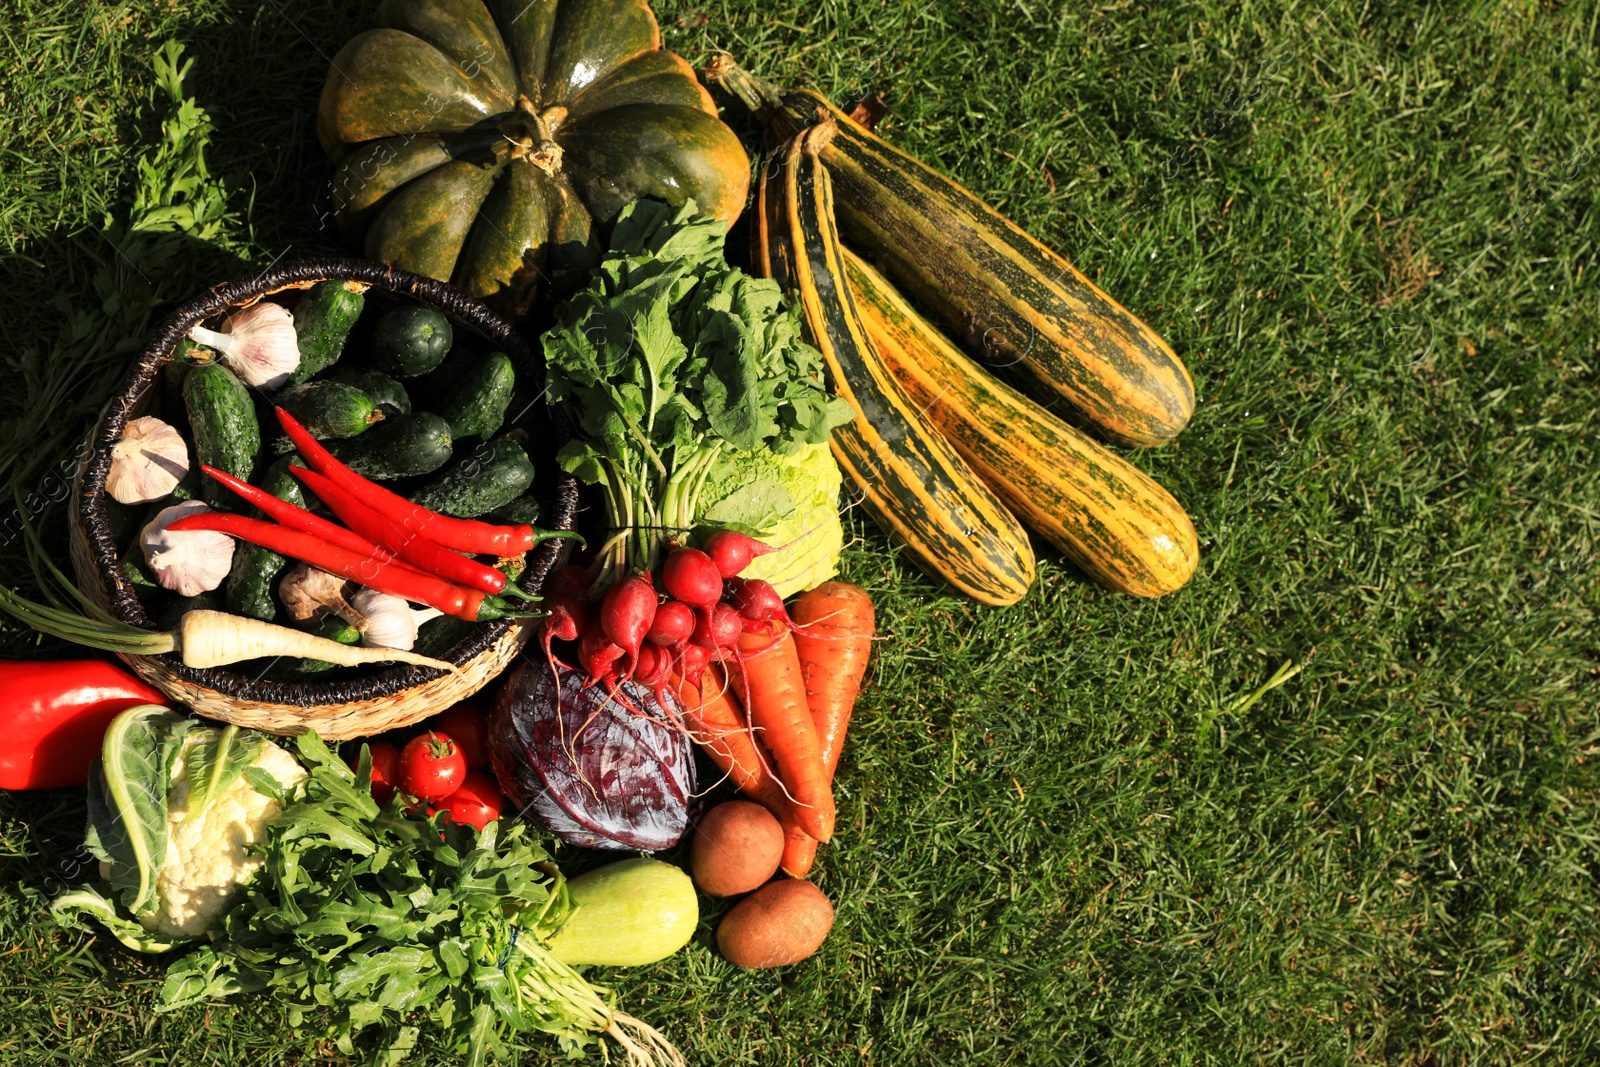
[
  {"x": 673, "y": 625},
  {"x": 597, "y": 652},
  {"x": 566, "y": 621},
  {"x": 757, "y": 601},
  {"x": 720, "y": 629},
  {"x": 626, "y": 613},
  {"x": 692, "y": 661},
  {"x": 732, "y": 552},
  {"x": 655, "y": 664},
  {"x": 690, "y": 575}
]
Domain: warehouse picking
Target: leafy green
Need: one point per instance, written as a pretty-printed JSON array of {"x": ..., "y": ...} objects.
[
  {"x": 670, "y": 361},
  {"x": 128, "y": 813},
  {"x": 85, "y": 900},
  {"x": 215, "y": 761},
  {"x": 789, "y": 501},
  {"x": 367, "y": 919}
]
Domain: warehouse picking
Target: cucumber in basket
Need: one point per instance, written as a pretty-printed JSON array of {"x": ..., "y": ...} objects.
[
  {"x": 481, "y": 479},
  {"x": 384, "y": 390},
  {"x": 475, "y": 404},
  {"x": 222, "y": 420},
  {"x": 255, "y": 569},
  {"x": 322, "y": 322},
  {"x": 330, "y": 409},
  {"x": 401, "y": 447},
  {"x": 411, "y": 341}
]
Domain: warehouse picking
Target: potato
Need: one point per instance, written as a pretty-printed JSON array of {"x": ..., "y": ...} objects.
[
  {"x": 783, "y": 922},
  {"x": 736, "y": 848}
]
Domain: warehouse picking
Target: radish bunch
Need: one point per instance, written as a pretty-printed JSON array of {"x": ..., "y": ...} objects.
[{"x": 635, "y": 630}]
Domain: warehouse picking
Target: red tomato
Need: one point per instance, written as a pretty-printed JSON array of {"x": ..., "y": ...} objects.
[
  {"x": 477, "y": 802},
  {"x": 468, "y": 726},
  {"x": 385, "y": 771},
  {"x": 431, "y": 766}
]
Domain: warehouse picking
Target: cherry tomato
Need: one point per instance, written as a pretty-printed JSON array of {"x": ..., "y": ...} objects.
[
  {"x": 477, "y": 802},
  {"x": 385, "y": 771},
  {"x": 431, "y": 766},
  {"x": 468, "y": 726}
]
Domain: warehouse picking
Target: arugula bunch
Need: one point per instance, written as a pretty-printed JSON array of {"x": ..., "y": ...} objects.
[
  {"x": 670, "y": 360},
  {"x": 366, "y": 919}
]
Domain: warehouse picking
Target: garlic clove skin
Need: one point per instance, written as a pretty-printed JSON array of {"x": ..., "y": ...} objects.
[
  {"x": 387, "y": 621},
  {"x": 147, "y": 463},
  {"x": 309, "y": 593},
  {"x": 190, "y": 562},
  {"x": 258, "y": 344}
]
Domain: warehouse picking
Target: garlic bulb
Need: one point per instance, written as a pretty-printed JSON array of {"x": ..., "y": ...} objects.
[
  {"x": 148, "y": 463},
  {"x": 387, "y": 621},
  {"x": 191, "y": 562},
  {"x": 309, "y": 593},
  {"x": 258, "y": 344}
]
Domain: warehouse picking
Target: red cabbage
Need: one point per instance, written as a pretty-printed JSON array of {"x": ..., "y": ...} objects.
[{"x": 601, "y": 771}]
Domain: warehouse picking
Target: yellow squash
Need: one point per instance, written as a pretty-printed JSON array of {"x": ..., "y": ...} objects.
[
  {"x": 908, "y": 477},
  {"x": 1103, "y": 513},
  {"x": 1018, "y": 306}
]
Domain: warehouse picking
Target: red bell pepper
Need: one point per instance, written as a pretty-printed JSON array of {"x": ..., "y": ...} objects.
[{"x": 55, "y": 715}]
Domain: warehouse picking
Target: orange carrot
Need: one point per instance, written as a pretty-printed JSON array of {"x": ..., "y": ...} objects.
[
  {"x": 771, "y": 688},
  {"x": 799, "y": 851},
  {"x": 834, "y": 628},
  {"x": 718, "y": 727}
]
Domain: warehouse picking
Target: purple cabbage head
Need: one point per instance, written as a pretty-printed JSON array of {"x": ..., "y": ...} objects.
[{"x": 596, "y": 768}]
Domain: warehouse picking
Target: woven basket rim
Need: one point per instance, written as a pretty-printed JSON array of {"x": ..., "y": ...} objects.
[{"x": 90, "y": 492}]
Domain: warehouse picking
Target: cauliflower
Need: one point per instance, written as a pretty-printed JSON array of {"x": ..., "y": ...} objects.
[
  {"x": 206, "y": 856},
  {"x": 173, "y": 809}
]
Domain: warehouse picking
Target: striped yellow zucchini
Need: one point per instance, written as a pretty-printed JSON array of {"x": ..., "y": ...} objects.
[
  {"x": 1018, "y": 306},
  {"x": 1103, "y": 513},
  {"x": 908, "y": 477}
]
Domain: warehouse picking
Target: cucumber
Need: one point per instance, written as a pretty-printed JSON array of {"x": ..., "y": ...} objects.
[
  {"x": 330, "y": 409},
  {"x": 475, "y": 405},
  {"x": 411, "y": 341},
  {"x": 171, "y": 608},
  {"x": 384, "y": 390},
  {"x": 524, "y": 509},
  {"x": 491, "y": 475},
  {"x": 438, "y": 636},
  {"x": 334, "y": 629},
  {"x": 248, "y": 590},
  {"x": 401, "y": 447},
  {"x": 322, "y": 321},
  {"x": 222, "y": 421}
]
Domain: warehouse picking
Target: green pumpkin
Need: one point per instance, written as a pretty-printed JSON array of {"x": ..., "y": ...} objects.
[{"x": 489, "y": 142}]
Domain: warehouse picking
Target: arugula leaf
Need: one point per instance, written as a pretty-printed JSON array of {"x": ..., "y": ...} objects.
[{"x": 368, "y": 923}]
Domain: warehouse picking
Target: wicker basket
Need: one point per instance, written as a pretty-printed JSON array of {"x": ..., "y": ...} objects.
[{"x": 384, "y": 698}]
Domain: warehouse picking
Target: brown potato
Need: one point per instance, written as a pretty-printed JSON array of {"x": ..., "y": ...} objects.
[
  {"x": 736, "y": 848},
  {"x": 783, "y": 922}
]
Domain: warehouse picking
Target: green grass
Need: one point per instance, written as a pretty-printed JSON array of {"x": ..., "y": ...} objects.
[{"x": 1371, "y": 232}]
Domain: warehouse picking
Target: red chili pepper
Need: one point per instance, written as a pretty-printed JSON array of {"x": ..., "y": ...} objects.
[
  {"x": 56, "y": 714},
  {"x": 465, "y": 535},
  {"x": 298, "y": 518},
  {"x": 396, "y": 580},
  {"x": 392, "y": 537}
]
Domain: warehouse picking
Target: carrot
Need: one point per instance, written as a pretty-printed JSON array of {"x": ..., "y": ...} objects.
[
  {"x": 718, "y": 727},
  {"x": 833, "y": 636},
  {"x": 799, "y": 851},
  {"x": 767, "y": 677},
  {"x": 834, "y": 626}
]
